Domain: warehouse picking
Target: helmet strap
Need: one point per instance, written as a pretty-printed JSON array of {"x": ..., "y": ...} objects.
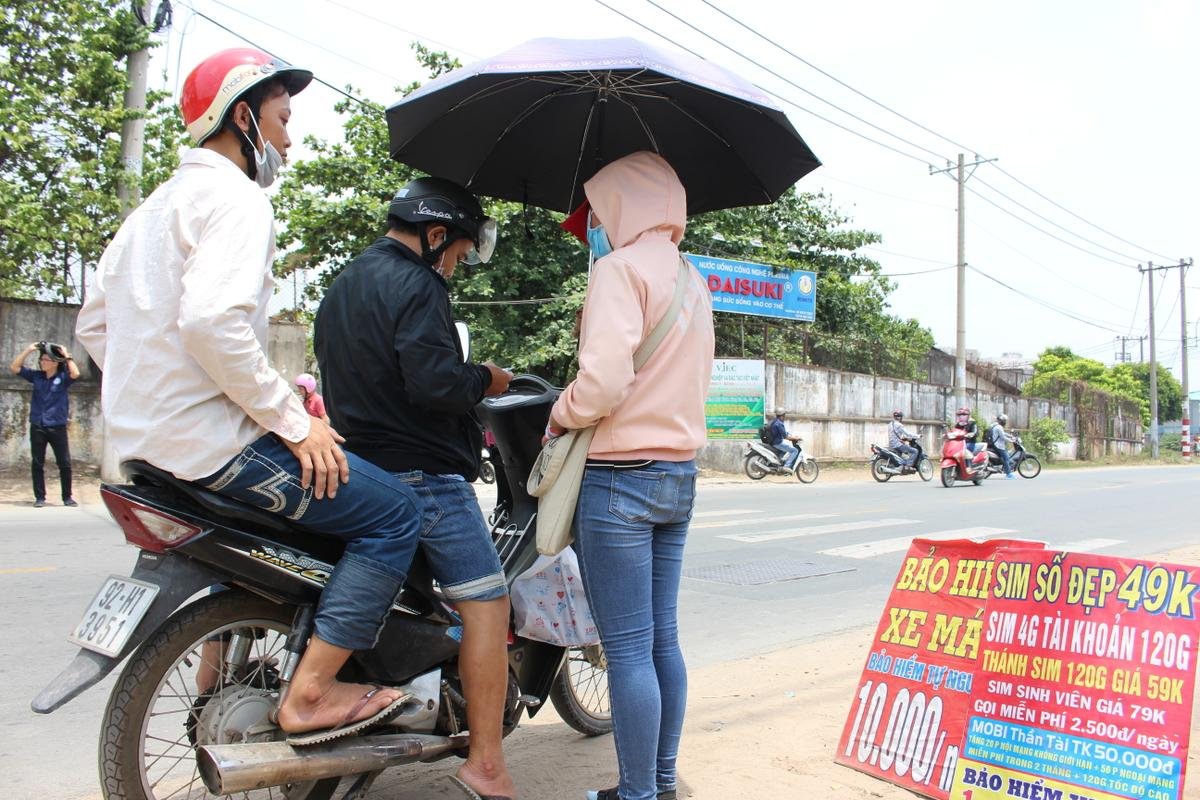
[{"x": 431, "y": 255}]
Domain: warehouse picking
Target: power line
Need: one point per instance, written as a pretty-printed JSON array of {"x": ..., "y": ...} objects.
[
  {"x": 395, "y": 27},
  {"x": 905, "y": 255},
  {"x": 364, "y": 103},
  {"x": 827, "y": 177},
  {"x": 779, "y": 97},
  {"x": 1045, "y": 232},
  {"x": 1000, "y": 240},
  {"x": 913, "y": 122},
  {"x": 1043, "y": 303},
  {"x": 1052, "y": 222},
  {"x": 792, "y": 83}
]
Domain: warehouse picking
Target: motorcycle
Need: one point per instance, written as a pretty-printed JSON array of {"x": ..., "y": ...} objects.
[
  {"x": 958, "y": 463},
  {"x": 192, "y": 710},
  {"x": 1023, "y": 462},
  {"x": 488, "y": 458},
  {"x": 762, "y": 460},
  {"x": 886, "y": 463}
]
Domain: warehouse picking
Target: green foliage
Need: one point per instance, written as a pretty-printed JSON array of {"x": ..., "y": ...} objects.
[
  {"x": 1170, "y": 391},
  {"x": 1058, "y": 371},
  {"x": 1170, "y": 442},
  {"x": 62, "y": 85},
  {"x": 1043, "y": 435}
]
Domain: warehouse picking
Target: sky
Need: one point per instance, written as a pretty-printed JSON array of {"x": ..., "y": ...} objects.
[{"x": 1089, "y": 107}]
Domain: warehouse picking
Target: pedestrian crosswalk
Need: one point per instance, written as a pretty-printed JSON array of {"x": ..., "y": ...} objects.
[{"x": 762, "y": 528}]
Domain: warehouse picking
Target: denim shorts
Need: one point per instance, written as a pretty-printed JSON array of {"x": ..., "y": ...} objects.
[{"x": 455, "y": 539}]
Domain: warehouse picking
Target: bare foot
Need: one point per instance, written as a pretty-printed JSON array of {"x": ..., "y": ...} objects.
[
  {"x": 488, "y": 780},
  {"x": 314, "y": 708}
]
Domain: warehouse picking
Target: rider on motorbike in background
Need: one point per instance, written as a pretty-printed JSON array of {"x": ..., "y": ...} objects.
[
  {"x": 998, "y": 440},
  {"x": 898, "y": 438},
  {"x": 965, "y": 422},
  {"x": 781, "y": 440}
]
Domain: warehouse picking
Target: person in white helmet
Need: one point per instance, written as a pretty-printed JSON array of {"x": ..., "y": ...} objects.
[{"x": 177, "y": 321}]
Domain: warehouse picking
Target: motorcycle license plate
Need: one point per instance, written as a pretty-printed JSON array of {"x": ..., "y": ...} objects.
[{"x": 113, "y": 614}]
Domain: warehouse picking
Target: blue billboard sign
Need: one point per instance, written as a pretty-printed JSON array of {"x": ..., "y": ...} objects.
[{"x": 742, "y": 287}]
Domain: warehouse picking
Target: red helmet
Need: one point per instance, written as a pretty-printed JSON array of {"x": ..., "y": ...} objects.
[{"x": 213, "y": 86}]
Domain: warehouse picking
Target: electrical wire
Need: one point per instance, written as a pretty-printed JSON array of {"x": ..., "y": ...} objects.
[
  {"x": 777, "y": 96},
  {"x": 825, "y": 176},
  {"x": 364, "y": 103},
  {"x": 1045, "y": 232},
  {"x": 1136, "y": 304},
  {"x": 395, "y": 27},
  {"x": 1043, "y": 303},
  {"x": 913, "y": 122},
  {"x": 793, "y": 84}
]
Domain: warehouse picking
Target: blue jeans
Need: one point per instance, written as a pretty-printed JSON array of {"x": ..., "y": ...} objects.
[
  {"x": 378, "y": 517},
  {"x": 906, "y": 452},
  {"x": 789, "y": 452},
  {"x": 1006, "y": 459},
  {"x": 630, "y": 528},
  {"x": 455, "y": 539}
]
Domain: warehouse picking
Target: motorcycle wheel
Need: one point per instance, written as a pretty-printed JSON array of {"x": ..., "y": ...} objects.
[
  {"x": 878, "y": 471},
  {"x": 155, "y": 715},
  {"x": 808, "y": 470},
  {"x": 949, "y": 475},
  {"x": 580, "y": 691},
  {"x": 756, "y": 467},
  {"x": 978, "y": 479},
  {"x": 487, "y": 472},
  {"x": 925, "y": 469},
  {"x": 1030, "y": 467}
]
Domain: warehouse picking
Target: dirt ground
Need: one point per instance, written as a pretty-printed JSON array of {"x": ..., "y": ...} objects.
[{"x": 764, "y": 726}]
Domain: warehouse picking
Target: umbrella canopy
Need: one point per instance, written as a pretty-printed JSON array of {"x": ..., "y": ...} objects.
[{"x": 535, "y": 122}]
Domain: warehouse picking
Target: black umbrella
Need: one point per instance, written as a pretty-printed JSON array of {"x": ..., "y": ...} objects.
[{"x": 535, "y": 122}]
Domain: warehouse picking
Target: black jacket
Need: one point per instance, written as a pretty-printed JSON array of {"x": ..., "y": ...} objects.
[{"x": 392, "y": 370}]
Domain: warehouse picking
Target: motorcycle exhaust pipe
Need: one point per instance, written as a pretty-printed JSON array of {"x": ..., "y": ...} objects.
[{"x": 232, "y": 768}]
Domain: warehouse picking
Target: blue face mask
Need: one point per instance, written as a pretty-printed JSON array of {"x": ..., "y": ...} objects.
[{"x": 598, "y": 240}]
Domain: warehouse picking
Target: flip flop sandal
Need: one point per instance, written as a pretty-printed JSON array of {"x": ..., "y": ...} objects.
[
  {"x": 348, "y": 728},
  {"x": 474, "y": 795}
]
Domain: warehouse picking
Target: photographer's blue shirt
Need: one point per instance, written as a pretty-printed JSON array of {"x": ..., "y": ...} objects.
[{"x": 49, "y": 407}]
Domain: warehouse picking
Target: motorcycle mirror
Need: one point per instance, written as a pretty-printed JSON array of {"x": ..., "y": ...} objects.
[{"x": 464, "y": 339}]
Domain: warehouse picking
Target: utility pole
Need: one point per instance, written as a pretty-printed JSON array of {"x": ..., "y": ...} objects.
[
  {"x": 1153, "y": 368},
  {"x": 1124, "y": 357},
  {"x": 1186, "y": 439},
  {"x": 960, "y": 341}
]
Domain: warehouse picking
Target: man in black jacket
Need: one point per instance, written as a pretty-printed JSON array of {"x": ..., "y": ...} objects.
[{"x": 398, "y": 388}]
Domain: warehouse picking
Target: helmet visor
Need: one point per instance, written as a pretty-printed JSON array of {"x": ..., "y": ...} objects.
[{"x": 485, "y": 245}]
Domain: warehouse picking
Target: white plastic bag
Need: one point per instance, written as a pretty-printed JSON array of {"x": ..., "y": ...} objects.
[{"x": 549, "y": 603}]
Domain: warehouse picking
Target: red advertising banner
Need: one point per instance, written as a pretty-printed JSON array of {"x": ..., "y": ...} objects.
[
  {"x": 1084, "y": 683},
  {"x": 909, "y": 715}
]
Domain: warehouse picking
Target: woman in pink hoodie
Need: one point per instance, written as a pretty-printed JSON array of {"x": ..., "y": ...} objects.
[{"x": 639, "y": 486}]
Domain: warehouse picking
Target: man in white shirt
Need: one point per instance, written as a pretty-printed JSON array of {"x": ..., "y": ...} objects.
[{"x": 177, "y": 322}]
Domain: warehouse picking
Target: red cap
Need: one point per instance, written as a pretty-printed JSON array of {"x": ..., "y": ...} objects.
[{"x": 576, "y": 224}]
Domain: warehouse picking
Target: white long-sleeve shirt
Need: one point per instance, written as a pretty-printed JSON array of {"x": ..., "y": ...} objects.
[{"x": 176, "y": 318}]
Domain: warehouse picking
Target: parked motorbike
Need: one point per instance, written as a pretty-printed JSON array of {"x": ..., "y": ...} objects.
[
  {"x": 958, "y": 463},
  {"x": 1023, "y": 462},
  {"x": 487, "y": 464},
  {"x": 886, "y": 463},
  {"x": 762, "y": 460},
  {"x": 192, "y": 709}
]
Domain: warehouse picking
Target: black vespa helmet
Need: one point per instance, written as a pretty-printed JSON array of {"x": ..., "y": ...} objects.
[{"x": 438, "y": 201}]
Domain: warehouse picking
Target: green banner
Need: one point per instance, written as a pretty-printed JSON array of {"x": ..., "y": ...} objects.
[{"x": 736, "y": 399}]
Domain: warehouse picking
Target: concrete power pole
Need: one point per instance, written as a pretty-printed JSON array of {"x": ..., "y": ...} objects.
[
  {"x": 1186, "y": 443},
  {"x": 960, "y": 341},
  {"x": 1153, "y": 368}
]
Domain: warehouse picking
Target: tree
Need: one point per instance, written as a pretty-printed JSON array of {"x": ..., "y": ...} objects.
[
  {"x": 522, "y": 305},
  {"x": 1170, "y": 391},
  {"x": 62, "y": 88},
  {"x": 1058, "y": 369}
]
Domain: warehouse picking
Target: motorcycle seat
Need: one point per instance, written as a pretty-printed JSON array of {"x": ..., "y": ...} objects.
[{"x": 143, "y": 472}]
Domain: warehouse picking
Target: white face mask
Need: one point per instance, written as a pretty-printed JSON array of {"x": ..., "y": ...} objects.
[{"x": 266, "y": 163}]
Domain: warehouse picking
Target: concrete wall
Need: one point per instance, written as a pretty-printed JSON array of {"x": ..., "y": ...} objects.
[
  {"x": 24, "y": 321},
  {"x": 840, "y": 414}
]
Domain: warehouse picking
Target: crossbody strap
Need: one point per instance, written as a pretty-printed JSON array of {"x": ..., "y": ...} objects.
[{"x": 651, "y": 342}]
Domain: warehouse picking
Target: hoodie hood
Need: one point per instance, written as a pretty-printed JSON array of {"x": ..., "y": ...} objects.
[{"x": 637, "y": 193}]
